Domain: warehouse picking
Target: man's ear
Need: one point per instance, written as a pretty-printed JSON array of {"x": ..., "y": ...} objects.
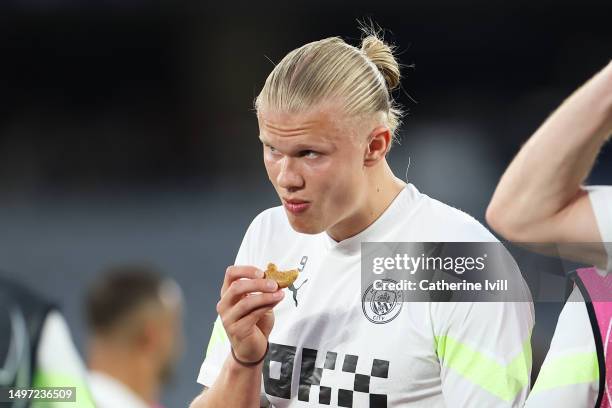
[{"x": 377, "y": 145}]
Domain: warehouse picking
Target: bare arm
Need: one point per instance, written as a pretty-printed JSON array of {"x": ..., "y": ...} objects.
[
  {"x": 539, "y": 198},
  {"x": 236, "y": 386},
  {"x": 245, "y": 309}
]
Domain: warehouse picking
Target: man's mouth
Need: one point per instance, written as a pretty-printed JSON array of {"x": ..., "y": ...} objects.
[{"x": 295, "y": 206}]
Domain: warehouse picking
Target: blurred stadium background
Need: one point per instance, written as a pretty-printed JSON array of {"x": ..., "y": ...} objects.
[{"x": 127, "y": 131}]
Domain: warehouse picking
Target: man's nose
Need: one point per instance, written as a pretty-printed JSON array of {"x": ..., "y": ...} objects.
[{"x": 288, "y": 176}]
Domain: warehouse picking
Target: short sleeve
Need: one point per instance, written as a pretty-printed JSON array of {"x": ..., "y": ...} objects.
[
  {"x": 601, "y": 201},
  {"x": 218, "y": 345},
  {"x": 484, "y": 350},
  {"x": 569, "y": 376},
  {"x": 58, "y": 363},
  {"x": 217, "y": 351}
]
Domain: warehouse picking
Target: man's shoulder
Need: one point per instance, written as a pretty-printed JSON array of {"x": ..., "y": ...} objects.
[
  {"x": 453, "y": 224},
  {"x": 271, "y": 223},
  {"x": 110, "y": 392},
  {"x": 273, "y": 217},
  {"x": 268, "y": 237}
]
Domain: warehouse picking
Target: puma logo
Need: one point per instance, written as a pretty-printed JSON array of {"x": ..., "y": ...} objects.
[
  {"x": 292, "y": 287},
  {"x": 294, "y": 290}
]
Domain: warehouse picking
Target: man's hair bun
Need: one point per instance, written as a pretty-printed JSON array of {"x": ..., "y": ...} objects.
[{"x": 382, "y": 56}]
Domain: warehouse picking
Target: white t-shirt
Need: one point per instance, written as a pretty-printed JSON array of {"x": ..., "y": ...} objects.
[
  {"x": 325, "y": 352},
  {"x": 569, "y": 377},
  {"x": 601, "y": 201},
  {"x": 111, "y": 393},
  {"x": 58, "y": 364}
]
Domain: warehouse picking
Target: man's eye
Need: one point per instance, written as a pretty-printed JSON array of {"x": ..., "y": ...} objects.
[{"x": 309, "y": 153}]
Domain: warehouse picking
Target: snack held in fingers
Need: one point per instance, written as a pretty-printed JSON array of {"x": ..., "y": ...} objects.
[{"x": 283, "y": 278}]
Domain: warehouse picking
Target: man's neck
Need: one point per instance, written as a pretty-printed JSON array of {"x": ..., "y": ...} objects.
[
  {"x": 127, "y": 368},
  {"x": 382, "y": 190}
]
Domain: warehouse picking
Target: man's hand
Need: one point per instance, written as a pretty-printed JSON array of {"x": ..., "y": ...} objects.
[{"x": 246, "y": 310}]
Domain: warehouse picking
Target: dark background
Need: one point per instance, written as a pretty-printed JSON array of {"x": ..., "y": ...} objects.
[{"x": 127, "y": 130}]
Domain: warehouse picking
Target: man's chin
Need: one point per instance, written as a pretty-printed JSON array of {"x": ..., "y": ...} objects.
[{"x": 305, "y": 227}]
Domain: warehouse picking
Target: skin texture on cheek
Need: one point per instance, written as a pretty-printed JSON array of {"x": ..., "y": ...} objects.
[
  {"x": 346, "y": 196},
  {"x": 334, "y": 189}
]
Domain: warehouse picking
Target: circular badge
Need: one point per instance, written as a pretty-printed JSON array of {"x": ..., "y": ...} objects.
[{"x": 381, "y": 306}]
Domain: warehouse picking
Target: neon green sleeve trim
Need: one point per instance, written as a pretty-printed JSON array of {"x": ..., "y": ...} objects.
[
  {"x": 218, "y": 336},
  {"x": 51, "y": 379},
  {"x": 575, "y": 368},
  {"x": 503, "y": 381}
]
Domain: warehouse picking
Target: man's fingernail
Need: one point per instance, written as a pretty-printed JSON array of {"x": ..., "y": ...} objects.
[
  {"x": 271, "y": 284},
  {"x": 259, "y": 274}
]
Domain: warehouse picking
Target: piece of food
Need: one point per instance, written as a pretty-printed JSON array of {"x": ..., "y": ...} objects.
[{"x": 283, "y": 278}]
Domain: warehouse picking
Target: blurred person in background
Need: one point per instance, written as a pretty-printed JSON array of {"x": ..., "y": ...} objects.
[
  {"x": 36, "y": 348},
  {"x": 134, "y": 318},
  {"x": 541, "y": 199},
  {"x": 327, "y": 121}
]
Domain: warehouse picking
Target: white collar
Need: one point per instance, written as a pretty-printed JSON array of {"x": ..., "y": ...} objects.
[{"x": 108, "y": 392}]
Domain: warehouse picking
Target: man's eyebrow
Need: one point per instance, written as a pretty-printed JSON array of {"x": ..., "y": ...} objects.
[
  {"x": 308, "y": 146},
  {"x": 302, "y": 146}
]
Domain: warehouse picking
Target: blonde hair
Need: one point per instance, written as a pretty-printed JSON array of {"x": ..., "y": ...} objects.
[{"x": 330, "y": 69}]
